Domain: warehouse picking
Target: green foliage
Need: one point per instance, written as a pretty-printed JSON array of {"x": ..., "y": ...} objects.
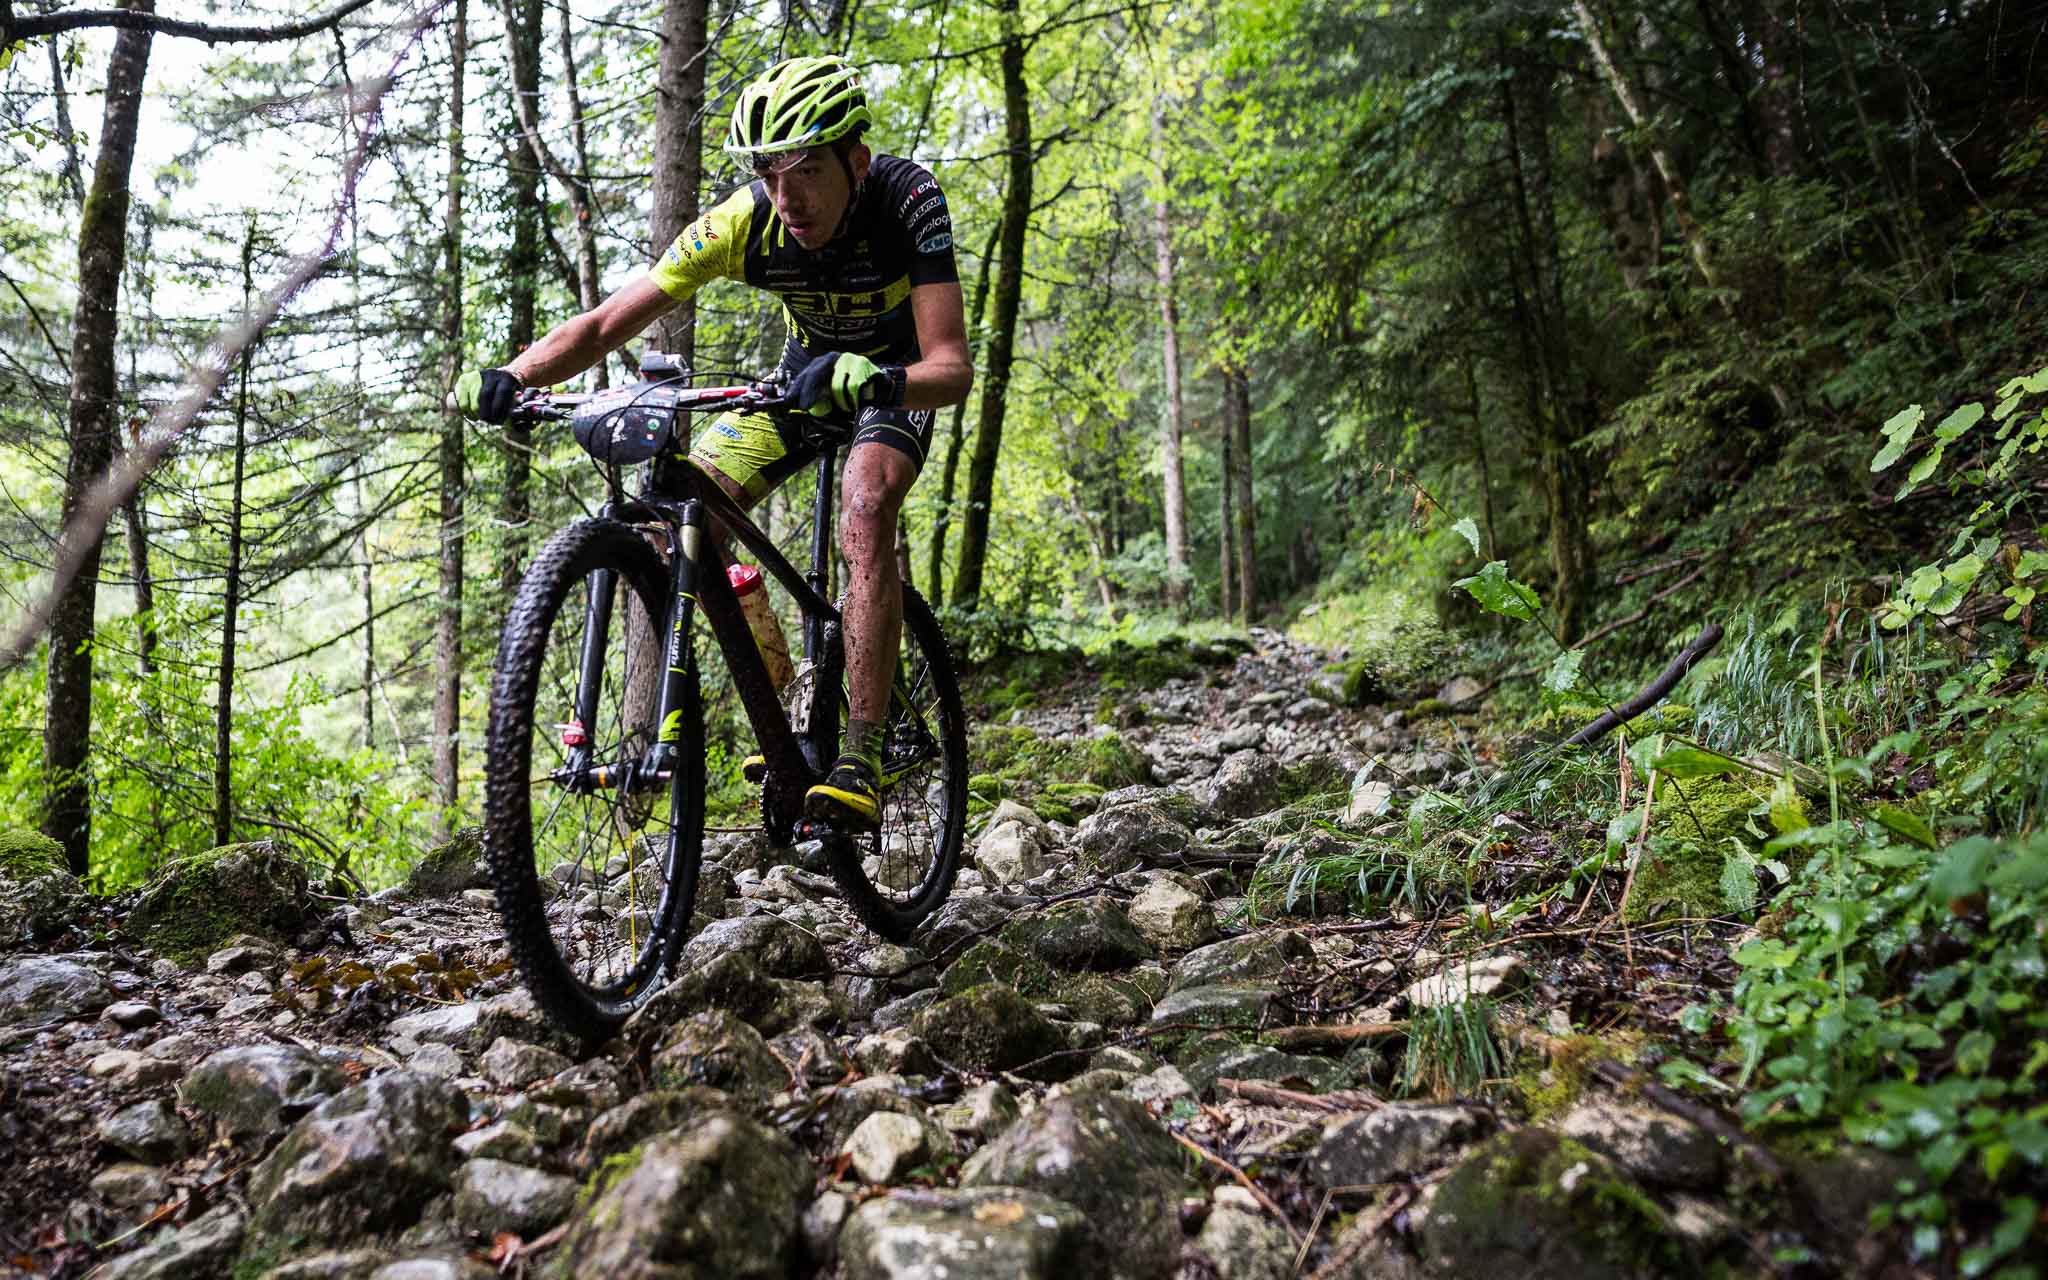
[
  {"x": 29, "y": 853},
  {"x": 1016, "y": 753},
  {"x": 1451, "y": 1049}
]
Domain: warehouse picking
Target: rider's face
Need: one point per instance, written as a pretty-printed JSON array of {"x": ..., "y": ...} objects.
[{"x": 811, "y": 195}]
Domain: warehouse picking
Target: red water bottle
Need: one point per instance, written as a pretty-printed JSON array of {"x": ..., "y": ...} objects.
[{"x": 761, "y": 620}]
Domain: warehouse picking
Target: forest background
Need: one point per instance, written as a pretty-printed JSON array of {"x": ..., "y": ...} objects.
[{"x": 1298, "y": 312}]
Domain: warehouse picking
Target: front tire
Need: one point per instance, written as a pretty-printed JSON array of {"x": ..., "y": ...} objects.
[{"x": 594, "y": 883}]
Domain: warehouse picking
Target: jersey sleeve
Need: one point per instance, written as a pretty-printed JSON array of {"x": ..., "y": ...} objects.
[
  {"x": 920, "y": 207},
  {"x": 710, "y": 248}
]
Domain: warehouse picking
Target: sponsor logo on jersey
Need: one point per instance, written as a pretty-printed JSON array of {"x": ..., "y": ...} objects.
[
  {"x": 726, "y": 429},
  {"x": 944, "y": 240},
  {"x": 924, "y": 208}
]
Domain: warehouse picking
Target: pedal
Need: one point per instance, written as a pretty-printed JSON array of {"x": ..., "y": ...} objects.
[{"x": 754, "y": 768}]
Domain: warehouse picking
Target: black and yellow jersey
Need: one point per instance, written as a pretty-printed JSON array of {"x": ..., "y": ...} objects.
[{"x": 851, "y": 295}]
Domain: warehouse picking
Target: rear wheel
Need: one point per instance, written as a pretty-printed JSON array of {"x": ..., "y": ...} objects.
[
  {"x": 897, "y": 875},
  {"x": 595, "y": 871}
]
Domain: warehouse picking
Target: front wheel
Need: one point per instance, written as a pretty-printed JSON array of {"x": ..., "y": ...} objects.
[
  {"x": 595, "y": 867},
  {"x": 897, "y": 875}
]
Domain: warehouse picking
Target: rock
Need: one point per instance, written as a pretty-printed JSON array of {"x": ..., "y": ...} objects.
[
  {"x": 198, "y": 903},
  {"x": 1088, "y": 933},
  {"x": 1370, "y": 801},
  {"x": 148, "y": 1131},
  {"x": 204, "y": 1248},
  {"x": 1171, "y": 916},
  {"x": 719, "y": 1050},
  {"x": 39, "y": 897},
  {"x": 896, "y": 1051},
  {"x": 128, "y": 1069},
  {"x": 456, "y": 1268},
  {"x": 1103, "y": 1154},
  {"x": 1248, "y": 784},
  {"x": 242, "y": 954},
  {"x": 888, "y": 1144},
  {"x": 1652, "y": 1146},
  {"x": 437, "y": 1060},
  {"x": 506, "y": 1140},
  {"x": 514, "y": 1064},
  {"x": 1010, "y": 855},
  {"x": 454, "y": 1025},
  {"x": 1252, "y": 957},
  {"x": 366, "y": 1160},
  {"x": 718, "y": 1199},
  {"x": 644, "y": 1115},
  {"x": 1161, "y": 1085},
  {"x": 988, "y": 1028},
  {"x": 981, "y": 1112},
  {"x": 38, "y": 990},
  {"x": 1258, "y": 1062},
  {"x": 493, "y": 1196},
  {"x": 1490, "y": 976},
  {"x": 130, "y": 1015},
  {"x": 1397, "y": 1141},
  {"x": 780, "y": 948},
  {"x": 732, "y": 982},
  {"x": 127, "y": 1185},
  {"x": 990, "y": 1233},
  {"x": 1237, "y": 1005},
  {"x": 962, "y": 917},
  {"x": 1460, "y": 689},
  {"x": 1241, "y": 1243},
  {"x": 257, "y": 1090},
  {"x": 820, "y": 1225},
  {"x": 1124, "y": 836},
  {"x": 449, "y": 868},
  {"x": 1528, "y": 1203}
]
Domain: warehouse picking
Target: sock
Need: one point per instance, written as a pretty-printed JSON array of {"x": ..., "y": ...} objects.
[{"x": 863, "y": 738}]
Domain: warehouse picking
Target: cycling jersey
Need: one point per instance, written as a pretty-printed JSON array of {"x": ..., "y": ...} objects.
[{"x": 851, "y": 295}]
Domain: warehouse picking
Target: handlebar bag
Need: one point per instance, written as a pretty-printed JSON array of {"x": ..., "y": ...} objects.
[{"x": 627, "y": 425}]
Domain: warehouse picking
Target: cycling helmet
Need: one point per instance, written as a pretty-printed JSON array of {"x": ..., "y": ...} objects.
[{"x": 799, "y": 104}]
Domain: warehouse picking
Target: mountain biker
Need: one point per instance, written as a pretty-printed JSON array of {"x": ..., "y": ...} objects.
[{"x": 859, "y": 249}]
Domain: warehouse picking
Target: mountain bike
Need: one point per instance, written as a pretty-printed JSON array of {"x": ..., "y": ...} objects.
[{"x": 632, "y": 711}]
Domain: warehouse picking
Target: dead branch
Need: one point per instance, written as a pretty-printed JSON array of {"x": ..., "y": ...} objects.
[
  {"x": 1332, "y": 1037},
  {"x": 1652, "y": 692},
  {"x": 13, "y": 29},
  {"x": 1274, "y": 1095}
]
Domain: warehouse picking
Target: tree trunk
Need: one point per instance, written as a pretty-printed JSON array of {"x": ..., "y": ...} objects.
[
  {"x": 1009, "y": 290},
  {"x": 1178, "y": 574},
  {"x": 1226, "y": 545},
  {"x": 678, "y": 152},
  {"x": 1237, "y": 394},
  {"x": 448, "y": 611},
  {"x": 102, "y": 247},
  {"x": 936, "y": 560},
  {"x": 523, "y": 19},
  {"x": 231, "y": 589},
  {"x": 145, "y": 585}
]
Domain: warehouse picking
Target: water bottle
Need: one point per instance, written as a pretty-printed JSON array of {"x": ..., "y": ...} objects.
[{"x": 761, "y": 620}]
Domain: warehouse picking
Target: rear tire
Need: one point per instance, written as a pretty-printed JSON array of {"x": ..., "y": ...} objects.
[
  {"x": 594, "y": 886},
  {"x": 896, "y": 876}
]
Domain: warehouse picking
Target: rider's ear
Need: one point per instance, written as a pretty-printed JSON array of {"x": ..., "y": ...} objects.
[{"x": 858, "y": 160}]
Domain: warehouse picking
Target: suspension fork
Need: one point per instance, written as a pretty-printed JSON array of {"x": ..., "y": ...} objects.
[{"x": 692, "y": 541}]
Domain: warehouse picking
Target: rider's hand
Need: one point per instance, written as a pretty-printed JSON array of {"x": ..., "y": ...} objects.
[
  {"x": 844, "y": 381},
  {"x": 488, "y": 394}
]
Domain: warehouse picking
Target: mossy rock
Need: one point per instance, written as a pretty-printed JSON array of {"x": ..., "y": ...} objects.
[
  {"x": 25, "y": 853},
  {"x": 196, "y": 903},
  {"x": 1015, "y": 752},
  {"x": 1531, "y": 1203},
  {"x": 448, "y": 868},
  {"x": 1067, "y": 802},
  {"x": 1682, "y": 868},
  {"x": 989, "y": 1028}
]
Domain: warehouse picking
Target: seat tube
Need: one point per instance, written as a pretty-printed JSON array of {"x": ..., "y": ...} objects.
[{"x": 820, "y": 576}]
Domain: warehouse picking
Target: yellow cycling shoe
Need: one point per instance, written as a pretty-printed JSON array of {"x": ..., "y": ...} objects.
[{"x": 849, "y": 797}]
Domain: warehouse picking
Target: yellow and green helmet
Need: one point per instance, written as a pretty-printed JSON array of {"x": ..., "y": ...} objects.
[{"x": 798, "y": 104}]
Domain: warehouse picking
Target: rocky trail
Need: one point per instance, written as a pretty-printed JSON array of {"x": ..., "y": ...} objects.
[{"x": 1144, "y": 1038}]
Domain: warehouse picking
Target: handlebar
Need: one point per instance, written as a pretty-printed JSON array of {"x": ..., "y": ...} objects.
[{"x": 540, "y": 404}]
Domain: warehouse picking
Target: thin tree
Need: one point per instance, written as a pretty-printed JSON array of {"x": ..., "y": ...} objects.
[
  {"x": 679, "y": 150},
  {"x": 94, "y": 415},
  {"x": 447, "y": 755},
  {"x": 1009, "y": 291},
  {"x": 1175, "y": 497}
]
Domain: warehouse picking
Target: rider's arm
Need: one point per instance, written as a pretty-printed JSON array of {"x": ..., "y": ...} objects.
[
  {"x": 707, "y": 249},
  {"x": 575, "y": 345},
  {"x": 945, "y": 370}
]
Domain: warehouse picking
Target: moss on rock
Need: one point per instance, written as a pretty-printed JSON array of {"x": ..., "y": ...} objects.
[
  {"x": 1695, "y": 820},
  {"x": 1013, "y": 752},
  {"x": 29, "y": 853},
  {"x": 1531, "y": 1203},
  {"x": 448, "y": 868},
  {"x": 196, "y": 903}
]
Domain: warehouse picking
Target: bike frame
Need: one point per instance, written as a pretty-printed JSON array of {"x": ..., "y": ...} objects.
[{"x": 699, "y": 582}]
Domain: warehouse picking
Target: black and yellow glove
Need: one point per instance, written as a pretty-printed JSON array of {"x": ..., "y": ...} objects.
[
  {"x": 843, "y": 381},
  {"x": 487, "y": 394}
]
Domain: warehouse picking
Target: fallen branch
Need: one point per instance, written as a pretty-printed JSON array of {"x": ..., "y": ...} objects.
[
  {"x": 1651, "y": 693},
  {"x": 1362, "y": 1235},
  {"x": 1274, "y": 1095},
  {"x": 1332, "y": 1037}
]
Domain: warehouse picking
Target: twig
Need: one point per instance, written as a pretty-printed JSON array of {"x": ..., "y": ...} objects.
[
  {"x": 1651, "y": 692},
  {"x": 1335, "y": 1100},
  {"x": 1238, "y": 1175},
  {"x": 1363, "y": 1235},
  {"x": 1323, "y": 1037}
]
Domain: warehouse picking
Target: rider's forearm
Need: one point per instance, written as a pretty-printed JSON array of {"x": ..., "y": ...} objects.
[
  {"x": 567, "y": 350},
  {"x": 934, "y": 384}
]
